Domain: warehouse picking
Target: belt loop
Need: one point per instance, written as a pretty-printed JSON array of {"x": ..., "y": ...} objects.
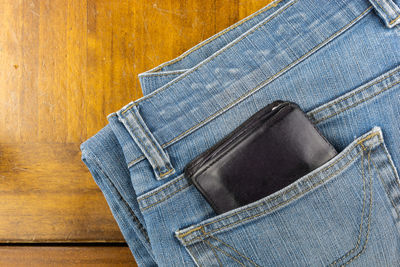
[
  {"x": 137, "y": 128},
  {"x": 388, "y": 10}
]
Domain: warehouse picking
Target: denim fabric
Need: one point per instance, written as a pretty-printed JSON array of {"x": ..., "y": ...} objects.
[{"x": 339, "y": 60}]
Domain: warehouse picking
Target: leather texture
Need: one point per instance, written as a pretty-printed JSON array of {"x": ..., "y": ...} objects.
[{"x": 270, "y": 150}]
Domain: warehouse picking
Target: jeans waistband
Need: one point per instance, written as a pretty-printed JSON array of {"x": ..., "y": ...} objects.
[{"x": 291, "y": 32}]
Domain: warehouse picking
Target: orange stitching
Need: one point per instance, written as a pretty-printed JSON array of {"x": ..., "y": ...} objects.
[
  {"x": 215, "y": 254},
  {"x": 316, "y": 111},
  {"x": 165, "y": 198},
  {"x": 190, "y": 231},
  {"x": 226, "y": 253},
  {"x": 301, "y": 193},
  {"x": 386, "y": 190},
  {"x": 161, "y": 189},
  {"x": 356, "y": 103},
  {"x": 308, "y": 178},
  {"x": 240, "y": 254},
  {"x": 394, "y": 20},
  {"x": 362, "y": 216},
  {"x": 392, "y": 5},
  {"x": 266, "y": 81},
  {"x": 369, "y": 215},
  {"x": 156, "y": 148},
  {"x": 274, "y": 207},
  {"x": 284, "y": 202},
  {"x": 384, "y": 10},
  {"x": 133, "y": 162},
  {"x": 352, "y": 94},
  {"x": 262, "y": 84},
  {"x": 196, "y": 260},
  {"x": 131, "y": 106},
  {"x": 165, "y": 173},
  {"x": 368, "y": 137},
  {"x": 219, "y": 52}
]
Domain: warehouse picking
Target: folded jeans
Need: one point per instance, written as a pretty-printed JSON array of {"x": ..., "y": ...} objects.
[{"x": 340, "y": 62}]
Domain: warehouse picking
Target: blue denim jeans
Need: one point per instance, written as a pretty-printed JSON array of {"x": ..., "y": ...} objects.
[{"x": 339, "y": 60}]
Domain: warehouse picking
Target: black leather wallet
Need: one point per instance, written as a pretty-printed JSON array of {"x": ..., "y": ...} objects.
[{"x": 270, "y": 150}]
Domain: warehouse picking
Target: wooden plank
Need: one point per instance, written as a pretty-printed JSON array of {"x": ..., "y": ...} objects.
[
  {"x": 65, "y": 256},
  {"x": 47, "y": 194},
  {"x": 64, "y": 66}
]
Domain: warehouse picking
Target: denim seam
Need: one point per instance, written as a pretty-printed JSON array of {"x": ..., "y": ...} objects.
[
  {"x": 386, "y": 190},
  {"x": 362, "y": 215},
  {"x": 163, "y": 188},
  {"x": 360, "y": 142},
  {"x": 196, "y": 260},
  {"x": 284, "y": 202},
  {"x": 369, "y": 216},
  {"x": 169, "y": 169},
  {"x": 234, "y": 249},
  {"x": 339, "y": 101},
  {"x": 215, "y": 254},
  {"x": 141, "y": 198},
  {"x": 394, "y": 20},
  {"x": 173, "y": 182},
  {"x": 371, "y": 135},
  {"x": 352, "y": 94},
  {"x": 166, "y": 197},
  {"x": 383, "y": 9},
  {"x": 385, "y": 187},
  {"x": 261, "y": 85},
  {"x": 153, "y": 74},
  {"x": 226, "y": 253},
  {"x": 387, "y": 14},
  {"x": 133, "y": 162},
  {"x": 262, "y": 212},
  {"x": 219, "y": 52},
  {"x": 128, "y": 108},
  {"x": 357, "y": 103},
  {"x": 234, "y": 26},
  {"x": 140, "y": 225},
  {"x": 391, "y": 164},
  {"x": 392, "y": 5}
]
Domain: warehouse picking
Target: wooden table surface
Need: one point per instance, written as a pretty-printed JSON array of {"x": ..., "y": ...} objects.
[{"x": 64, "y": 66}]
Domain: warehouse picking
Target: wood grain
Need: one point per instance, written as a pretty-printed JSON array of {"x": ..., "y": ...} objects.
[
  {"x": 48, "y": 195},
  {"x": 66, "y": 256},
  {"x": 64, "y": 66}
]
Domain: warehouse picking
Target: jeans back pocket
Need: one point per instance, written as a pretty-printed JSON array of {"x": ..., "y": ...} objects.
[{"x": 323, "y": 219}]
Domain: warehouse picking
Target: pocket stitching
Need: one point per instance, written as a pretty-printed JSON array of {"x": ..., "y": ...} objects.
[
  {"x": 274, "y": 207},
  {"x": 369, "y": 218},
  {"x": 335, "y": 102},
  {"x": 226, "y": 253},
  {"x": 160, "y": 189},
  {"x": 234, "y": 249},
  {"x": 196, "y": 260},
  {"x": 216, "y": 256},
  {"x": 166, "y": 197},
  {"x": 384, "y": 184},
  {"x": 362, "y": 214},
  {"x": 357, "y": 103}
]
